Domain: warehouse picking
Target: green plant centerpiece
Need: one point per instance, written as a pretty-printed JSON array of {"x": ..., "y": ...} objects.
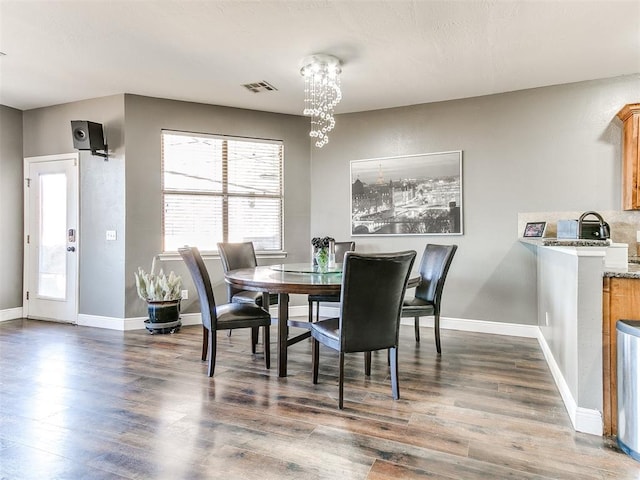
[
  {"x": 163, "y": 294},
  {"x": 323, "y": 248}
]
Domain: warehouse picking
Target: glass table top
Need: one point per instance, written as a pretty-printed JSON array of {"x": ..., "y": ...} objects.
[{"x": 306, "y": 268}]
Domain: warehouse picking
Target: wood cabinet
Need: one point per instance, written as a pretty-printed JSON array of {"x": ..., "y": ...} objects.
[
  {"x": 630, "y": 117},
  {"x": 620, "y": 300}
]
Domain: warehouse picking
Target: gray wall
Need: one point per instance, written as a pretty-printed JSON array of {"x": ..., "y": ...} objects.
[
  {"x": 47, "y": 131},
  {"x": 11, "y": 206},
  {"x": 145, "y": 118},
  {"x": 547, "y": 149},
  {"x": 125, "y": 195}
]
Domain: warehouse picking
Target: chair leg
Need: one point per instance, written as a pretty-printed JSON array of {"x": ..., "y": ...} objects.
[
  {"x": 212, "y": 352},
  {"x": 310, "y": 311},
  {"x": 267, "y": 348},
  {"x": 205, "y": 342},
  {"x": 315, "y": 359},
  {"x": 254, "y": 338},
  {"x": 367, "y": 364},
  {"x": 416, "y": 328},
  {"x": 317, "y": 311},
  {"x": 436, "y": 327},
  {"x": 341, "y": 383},
  {"x": 395, "y": 389}
]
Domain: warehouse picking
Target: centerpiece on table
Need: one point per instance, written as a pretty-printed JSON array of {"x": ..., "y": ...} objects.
[
  {"x": 163, "y": 294},
  {"x": 323, "y": 252}
]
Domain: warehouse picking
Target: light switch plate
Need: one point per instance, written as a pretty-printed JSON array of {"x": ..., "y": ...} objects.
[{"x": 111, "y": 235}]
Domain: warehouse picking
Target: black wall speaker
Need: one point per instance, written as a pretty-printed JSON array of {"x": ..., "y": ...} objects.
[{"x": 87, "y": 135}]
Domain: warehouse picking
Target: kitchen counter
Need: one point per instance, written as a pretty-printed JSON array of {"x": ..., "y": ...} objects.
[
  {"x": 569, "y": 290},
  {"x": 631, "y": 270}
]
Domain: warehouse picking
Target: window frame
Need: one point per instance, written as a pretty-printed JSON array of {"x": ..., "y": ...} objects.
[{"x": 224, "y": 194}]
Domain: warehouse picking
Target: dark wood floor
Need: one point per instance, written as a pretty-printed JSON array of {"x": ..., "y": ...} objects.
[{"x": 86, "y": 403}]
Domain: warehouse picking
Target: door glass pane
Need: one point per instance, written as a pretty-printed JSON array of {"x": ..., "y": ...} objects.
[{"x": 52, "y": 275}]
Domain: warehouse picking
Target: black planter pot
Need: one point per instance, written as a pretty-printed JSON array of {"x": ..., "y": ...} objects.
[
  {"x": 164, "y": 312},
  {"x": 164, "y": 316}
]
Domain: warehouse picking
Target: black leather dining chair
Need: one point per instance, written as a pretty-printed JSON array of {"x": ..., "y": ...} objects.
[
  {"x": 228, "y": 316},
  {"x": 340, "y": 249},
  {"x": 373, "y": 286},
  {"x": 434, "y": 267},
  {"x": 241, "y": 255},
  {"x": 235, "y": 256}
]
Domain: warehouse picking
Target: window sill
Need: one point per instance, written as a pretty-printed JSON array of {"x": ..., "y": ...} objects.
[{"x": 172, "y": 256}]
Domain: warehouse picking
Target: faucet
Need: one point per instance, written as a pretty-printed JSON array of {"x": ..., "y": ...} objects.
[{"x": 603, "y": 233}]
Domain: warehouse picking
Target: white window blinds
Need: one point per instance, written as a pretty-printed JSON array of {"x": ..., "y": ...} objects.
[{"x": 221, "y": 189}]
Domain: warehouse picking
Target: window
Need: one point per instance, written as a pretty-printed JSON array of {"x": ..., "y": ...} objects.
[{"x": 221, "y": 189}]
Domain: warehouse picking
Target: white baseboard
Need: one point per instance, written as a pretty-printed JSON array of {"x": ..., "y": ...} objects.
[
  {"x": 447, "y": 323},
  {"x": 132, "y": 323},
  {"x": 10, "y": 314},
  {"x": 478, "y": 326},
  {"x": 589, "y": 421},
  {"x": 111, "y": 323},
  {"x": 583, "y": 419},
  {"x": 302, "y": 311}
]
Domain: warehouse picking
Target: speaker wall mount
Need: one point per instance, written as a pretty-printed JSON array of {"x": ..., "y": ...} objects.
[{"x": 89, "y": 136}]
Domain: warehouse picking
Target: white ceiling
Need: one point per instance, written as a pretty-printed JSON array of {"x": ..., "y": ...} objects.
[{"x": 394, "y": 53}]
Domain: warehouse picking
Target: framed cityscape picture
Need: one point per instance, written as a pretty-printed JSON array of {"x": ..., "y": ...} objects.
[{"x": 408, "y": 195}]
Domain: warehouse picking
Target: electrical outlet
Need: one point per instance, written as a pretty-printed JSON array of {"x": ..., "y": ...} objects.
[{"x": 185, "y": 294}]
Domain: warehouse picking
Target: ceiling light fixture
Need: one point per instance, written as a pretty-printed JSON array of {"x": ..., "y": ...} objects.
[{"x": 321, "y": 94}]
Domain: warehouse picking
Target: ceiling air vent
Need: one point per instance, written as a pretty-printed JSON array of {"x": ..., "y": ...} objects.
[{"x": 259, "y": 87}]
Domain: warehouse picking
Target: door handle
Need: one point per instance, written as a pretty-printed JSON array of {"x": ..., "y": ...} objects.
[{"x": 71, "y": 249}]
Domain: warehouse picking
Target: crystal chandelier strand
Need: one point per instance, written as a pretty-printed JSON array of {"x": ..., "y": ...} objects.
[{"x": 322, "y": 94}]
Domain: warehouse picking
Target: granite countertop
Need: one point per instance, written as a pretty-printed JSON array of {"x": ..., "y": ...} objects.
[
  {"x": 632, "y": 271},
  {"x": 569, "y": 242},
  {"x": 565, "y": 242}
]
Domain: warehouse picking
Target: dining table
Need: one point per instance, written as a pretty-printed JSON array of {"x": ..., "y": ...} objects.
[{"x": 286, "y": 279}]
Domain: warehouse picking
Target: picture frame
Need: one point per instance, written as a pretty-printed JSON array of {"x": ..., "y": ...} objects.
[
  {"x": 534, "y": 229},
  {"x": 417, "y": 194}
]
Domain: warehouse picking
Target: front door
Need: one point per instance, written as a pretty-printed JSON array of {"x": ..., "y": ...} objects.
[{"x": 51, "y": 237}]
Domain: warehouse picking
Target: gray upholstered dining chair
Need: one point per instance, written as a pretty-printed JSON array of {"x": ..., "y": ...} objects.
[
  {"x": 434, "y": 267},
  {"x": 373, "y": 286},
  {"x": 341, "y": 249},
  {"x": 223, "y": 317}
]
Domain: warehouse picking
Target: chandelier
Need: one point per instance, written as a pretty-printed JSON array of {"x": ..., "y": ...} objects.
[{"x": 321, "y": 94}]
